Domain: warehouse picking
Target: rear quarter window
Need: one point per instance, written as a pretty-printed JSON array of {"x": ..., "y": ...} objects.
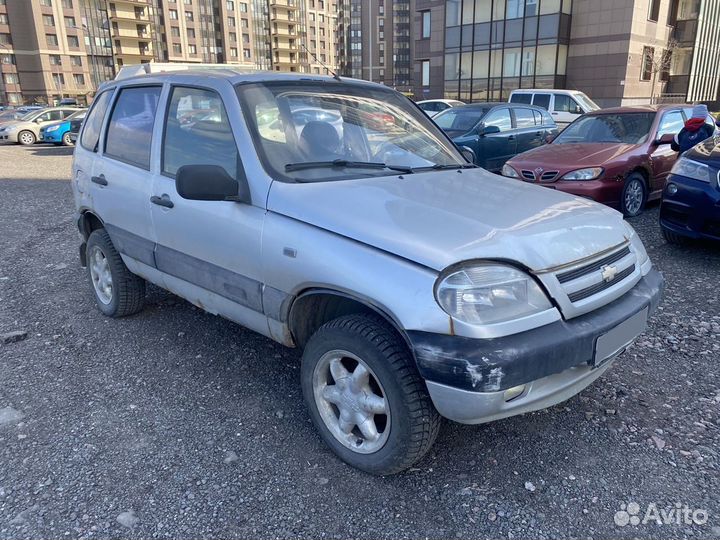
[
  {"x": 91, "y": 131},
  {"x": 521, "y": 98}
]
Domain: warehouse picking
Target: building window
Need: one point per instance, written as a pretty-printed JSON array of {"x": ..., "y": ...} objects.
[
  {"x": 55, "y": 60},
  {"x": 73, "y": 41},
  {"x": 647, "y": 63},
  {"x": 70, "y": 22},
  {"x": 244, "y": 23},
  {"x": 188, "y": 2},
  {"x": 173, "y": 15},
  {"x": 79, "y": 79},
  {"x": 177, "y": 48},
  {"x": 246, "y": 38},
  {"x": 191, "y": 33},
  {"x": 48, "y": 20},
  {"x": 52, "y": 40},
  {"x": 425, "y": 27},
  {"x": 243, "y": 7},
  {"x": 76, "y": 61},
  {"x": 175, "y": 31},
  {"x": 189, "y": 16},
  {"x": 5, "y": 39},
  {"x": 654, "y": 10},
  {"x": 233, "y": 52},
  {"x": 515, "y": 9},
  {"x": 425, "y": 72},
  {"x": 192, "y": 49},
  {"x": 230, "y": 5},
  {"x": 59, "y": 80},
  {"x": 246, "y": 53},
  {"x": 233, "y": 37},
  {"x": 7, "y": 59},
  {"x": 12, "y": 78},
  {"x": 46, "y": 3},
  {"x": 67, "y": 4}
]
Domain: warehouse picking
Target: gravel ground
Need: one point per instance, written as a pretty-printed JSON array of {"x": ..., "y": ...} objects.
[{"x": 175, "y": 423}]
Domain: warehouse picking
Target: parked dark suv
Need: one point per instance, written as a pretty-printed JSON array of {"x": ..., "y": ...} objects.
[
  {"x": 691, "y": 200},
  {"x": 497, "y": 131}
]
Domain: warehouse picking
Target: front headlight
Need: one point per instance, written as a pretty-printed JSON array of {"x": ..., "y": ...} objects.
[
  {"x": 507, "y": 170},
  {"x": 636, "y": 243},
  {"x": 584, "y": 174},
  {"x": 487, "y": 293},
  {"x": 52, "y": 128},
  {"x": 691, "y": 169}
]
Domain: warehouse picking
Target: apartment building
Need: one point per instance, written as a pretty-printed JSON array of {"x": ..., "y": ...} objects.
[
  {"x": 42, "y": 51},
  {"x": 616, "y": 51}
]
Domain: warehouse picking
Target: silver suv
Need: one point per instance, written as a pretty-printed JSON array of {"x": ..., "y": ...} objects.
[{"x": 332, "y": 215}]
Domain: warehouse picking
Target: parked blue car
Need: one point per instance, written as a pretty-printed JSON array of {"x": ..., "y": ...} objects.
[
  {"x": 59, "y": 132},
  {"x": 691, "y": 199}
]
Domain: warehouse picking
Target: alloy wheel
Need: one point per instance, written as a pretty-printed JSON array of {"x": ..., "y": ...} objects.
[
  {"x": 101, "y": 275},
  {"x": 351, "y": 401},
  {"x": 634, "y": 194}
]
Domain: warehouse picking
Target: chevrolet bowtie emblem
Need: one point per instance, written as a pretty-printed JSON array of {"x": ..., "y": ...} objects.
[{"x": 609, "y": 272}]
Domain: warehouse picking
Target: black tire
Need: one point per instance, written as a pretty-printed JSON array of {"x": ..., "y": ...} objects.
[
  {"x": 128, "y": 290},
  {"x": 632, "y": 182},
  {"x": 29, "y": 137},
  {"x": 414, "y": 423},
  {"x": 674, "y": 238},
  {"x": 66, "y": 139}
]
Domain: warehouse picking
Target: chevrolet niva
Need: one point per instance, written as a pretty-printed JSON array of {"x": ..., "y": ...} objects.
[{"x": 332, "y": 215}]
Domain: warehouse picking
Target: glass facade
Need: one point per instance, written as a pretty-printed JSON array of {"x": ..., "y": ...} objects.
[{"x": 493, "y": 47}]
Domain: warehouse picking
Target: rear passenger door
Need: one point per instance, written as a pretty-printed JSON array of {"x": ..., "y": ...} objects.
[
  {"x": 208, "y": 251},
  {"x": 122, "y": 175},
  {"x": 662, "y": 156},
  {"x": 494, "y": 149},
  {"x": 528, "y": 134}
]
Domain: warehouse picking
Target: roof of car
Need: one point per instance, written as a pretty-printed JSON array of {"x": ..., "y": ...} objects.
[
  {"x": 237, "y": 76},
  {"x": 640, "y": 108},
  {"x": 491, "y": 104}
]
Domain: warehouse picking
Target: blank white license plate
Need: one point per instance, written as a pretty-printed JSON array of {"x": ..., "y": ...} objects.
[{"x": 616, "y": 340}]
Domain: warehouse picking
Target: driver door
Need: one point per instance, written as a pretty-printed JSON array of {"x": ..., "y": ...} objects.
[{"x": 494, "y": 149}]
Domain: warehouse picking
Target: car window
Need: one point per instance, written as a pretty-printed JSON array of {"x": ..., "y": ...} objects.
[
  {"x": 688, "y": 113},
  {"x": 542, "y": 100},
  {"x": 627, "y": 128},
  {"x": 521, "y": 98},
  {"x": 56, "y": 115},
  {"x": 439, "y": 106},
  {"x": 129, "y": 133},
  {"x": 197, "y": 132},
  {"x": 459, "y": 121},
  {"x": 93, "y": 125},
  {"x": 524, "y": 118},
  {"x": 349, "y": 123},
  {"x": 565, "y": 103},
  {"x": 538, "y": 118},
  {"x": 428, "y": 107},
  {"x": 672, "y": 122},
  {"x": 66, "y": 113},
  {"x": 499, "y": 118}
]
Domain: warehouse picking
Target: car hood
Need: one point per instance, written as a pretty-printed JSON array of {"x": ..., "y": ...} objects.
[
  {"x": 571, "y": 156},
  {"x": 440, "y": 218}
]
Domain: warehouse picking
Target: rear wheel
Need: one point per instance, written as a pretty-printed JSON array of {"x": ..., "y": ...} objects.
[
  {"x": 365, "y": 395},
  {"x": 26, "y": 138},
  {"x": 634, "y": 195},
  {"x": 118, "y": 292},
  {"x": 674, "y": 238},
  {"x": 66, "y": 139}
]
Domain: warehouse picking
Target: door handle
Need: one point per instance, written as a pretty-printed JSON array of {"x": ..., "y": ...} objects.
[
  {"x": 162, "y": 201},
  {"x": 511, "y": 138},
  {"x": 100, "y": 180}
]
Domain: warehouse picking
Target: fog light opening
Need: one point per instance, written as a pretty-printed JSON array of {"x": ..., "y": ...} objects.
[
  {"x": 672, "y": 189},
  {"x": 514, "y": 393}
]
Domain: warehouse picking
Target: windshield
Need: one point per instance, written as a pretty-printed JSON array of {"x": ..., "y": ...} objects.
[
  {"x": 29, "y": 116},
  {"x": 588, "y": 104},
  {"x": 459, "y": 120},
  {"x": 628, "y": 128},
  {"x": 318, "y": 131}
]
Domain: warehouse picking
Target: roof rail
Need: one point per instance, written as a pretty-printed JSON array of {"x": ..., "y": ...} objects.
[{"x": 150, "y": 68}]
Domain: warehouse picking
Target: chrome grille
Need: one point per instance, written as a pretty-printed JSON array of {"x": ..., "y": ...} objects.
[
  {"x": 599, "y": 287},
  {"x": 545, "y": 176},
  {"x": 548, "y": 176},
  {"x": 528, "y": 175},
  {"x": 593, "y": 266}
]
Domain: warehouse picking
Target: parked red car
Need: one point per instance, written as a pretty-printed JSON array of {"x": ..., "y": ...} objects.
[{"x": 620, "y": 157}]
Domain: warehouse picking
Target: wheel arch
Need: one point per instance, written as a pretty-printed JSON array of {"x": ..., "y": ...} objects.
[
  {"x": 313, "y": 307},
  {"x": 89, "y": 222}
]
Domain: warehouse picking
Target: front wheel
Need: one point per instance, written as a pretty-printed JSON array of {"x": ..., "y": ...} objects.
[
  {"x": 118, "y": 292},
  {"x": 365, "y": 395},
  {"x": 26, "y": 138},
  {"x": 634, "y": 195}
]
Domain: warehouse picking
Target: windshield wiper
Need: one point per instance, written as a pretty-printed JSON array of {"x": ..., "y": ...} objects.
[
  {"x": 345, "y": 164},
  {"x": 439, "y": 167}
]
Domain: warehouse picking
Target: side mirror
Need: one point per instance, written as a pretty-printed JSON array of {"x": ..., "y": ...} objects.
[
  {"x": 578, "y": 110},
  {"x": 209, "y": 183},
  {"x": 489, "y": 130},
  {"x": 468, "y": 154},
  {"x": 665, "y": 139}
]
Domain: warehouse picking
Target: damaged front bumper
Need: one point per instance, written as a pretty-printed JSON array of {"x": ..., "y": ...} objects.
[{"x": 480, "y": 380}]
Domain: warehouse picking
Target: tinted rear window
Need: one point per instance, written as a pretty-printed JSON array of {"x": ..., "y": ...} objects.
[{"x": 521, "y": 98}]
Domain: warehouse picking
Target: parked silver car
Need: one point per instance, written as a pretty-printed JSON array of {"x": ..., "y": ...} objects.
[
  {"x": 417, "y": 285},
  {"x": 26, "y": 130}
]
